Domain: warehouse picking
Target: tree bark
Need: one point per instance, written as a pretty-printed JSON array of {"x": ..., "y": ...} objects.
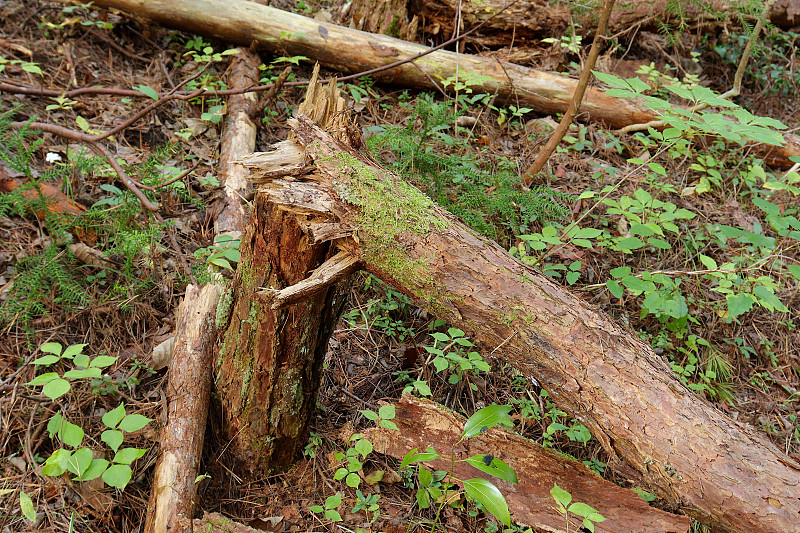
[
  {"x": 352, "y": 51},
  {"x": 188, "y": 390},
  {"x": 527, "y": 21},
  {"x": 422, "y": 423},
  {"x": 717, "y": 470},
  {"x": 270, "y": 362}
]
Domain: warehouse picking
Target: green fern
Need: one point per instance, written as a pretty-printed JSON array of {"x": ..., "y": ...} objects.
[{"x": 484, "y": 194}]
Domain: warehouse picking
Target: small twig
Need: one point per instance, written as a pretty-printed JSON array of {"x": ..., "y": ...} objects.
[
  {"x": 271, "y": 93},
  {"x": 574, "y": 105}
]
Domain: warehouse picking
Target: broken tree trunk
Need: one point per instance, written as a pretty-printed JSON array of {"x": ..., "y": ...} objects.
[
  {"x": 270, "y": 362},
  {"x": 189, "y": 387},
  {"x": 719, "y": 471},
  {"x": 422, "y": 423},
  {"x": 352, "y": 51}
]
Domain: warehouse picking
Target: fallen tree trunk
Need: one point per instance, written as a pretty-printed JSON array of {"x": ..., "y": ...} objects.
[
  {"x": 508, "y": 21},
  {"x": 189, "y": 387},
  {"x": 719, "y": 471},
  {"x": 353, "y": 51},
  {"x": 422, "y": 423}
]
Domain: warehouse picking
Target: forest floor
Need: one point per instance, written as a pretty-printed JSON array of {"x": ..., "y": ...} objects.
[{"x": 695, "y": 246}]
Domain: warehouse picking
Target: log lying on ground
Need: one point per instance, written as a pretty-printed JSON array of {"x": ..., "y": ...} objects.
[
  {"x": 509, "y": 21},
  {"x": 189, "y": 387},
  {"x": 352, "y": 51},
  {"x": 422, "y": 423},
  {"x": 717, "y": 470}
]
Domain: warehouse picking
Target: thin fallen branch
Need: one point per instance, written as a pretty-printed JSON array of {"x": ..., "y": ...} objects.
[{"x": 574, "y": 104}]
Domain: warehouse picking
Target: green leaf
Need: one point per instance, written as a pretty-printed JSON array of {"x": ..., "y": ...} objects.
[
  {"x": 629, "y": 243},
  {"x": 103, "y": 361},
  {"x": 708, "y": 262},
  {"x": 333, "y": 515},
  {"x": 661, "y": 244},
  {"x": 81, "y": 360},
  {"x": 387, "y": 412},
  {"x": 423, "y": 498},
  {"x": 364, "y": 447},
  {"x": 620, "y": 271},
  {"x": 95, "y": 470},
  {"x": 370, "y": 415},
  {"x": 147, "y": 91},
  {"x": 80, "y": 461},
  {"x": 495, "y": 467},
  {"x": 73, "y": 350},
  {"x": 117, "y": 476},
  {"x": 128, "y": 455},
  {"x": 133, "y": 423},
  {"x": 71, "y": 434},
  {"x": 83, "y": 373},
  {"x": 333, "y": 501},
  {"x": 46, "y": 360},
  {"x": 115, "y": 416},
  {"x": 51, "y": 347},
  {"x": 388, "y": 424},
  {"x": 26, "y": 506},
  {"x": 739, "y": 304},
  {"x": 582, "y": 509},
  {"x": 561, "y": 496},
  {"x": 646, "y": 496},
  {"x": 43, "y": 379},
  {"x": 113, "y": 438},
  {"x": 56, "y": 388},
  {"x": 489, "y": 496},
  {"x": 82, "y": 123},
  {"x": 315, "y": 508},
  {"x": 413, "y": 456},
  {"x": 57, "y": 463},
  {"x": 425, "y": 476},
  {"x": 486, "y": 418},
  {"x": 352, "y": 480},
  {"x": 615, "y": 288}
]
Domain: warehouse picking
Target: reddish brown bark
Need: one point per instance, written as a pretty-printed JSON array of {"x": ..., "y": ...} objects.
[
  {"x": 717, "y": 470},
  {"x": 422, "y": 423}
]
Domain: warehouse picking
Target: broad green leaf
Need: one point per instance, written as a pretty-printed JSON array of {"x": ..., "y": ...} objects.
[
  {"x": 82, "y": 123},
  {"x": 103, "y": 361},
  {"x": 584, "y": 510},
  {"x": 441, "y": 337},
  {"x": 71, "y": 434},
  {"x": 661, "y": 244},
  {"x": 81, "y": 360},
  {"x": 133, "y": 423},
  {"x": 490, "y": 497},
  {"x": 333, "y": 515},
  {"x": 54, "y": 424},
  {"x": 83, "y": 373},
  {"x": 128, "y": 455},
  {"x": 486, "y": 418},
  {"x": 636, "y": 285},
  {"x": 95, "y": 470},
  {"x": 80, "y": 461},
  {"x": 117, "y": 476},
  {"x": 115, "y": 416},
  {"x": 51, "y": 347},
  {"x": 57, "y": 463},
  {"x": 425, "y": 476},
  {"x": 615, "y": 288},
  {"x": 423, "y": 499},
  {"x": 370, "y": 415},
  {"x": 561, "y": 496},
  {"x": 26, "y": 506},
  {"x": 387, "y": 412},
  {"x": 43, "y": 379},
  {"x": 352, "y": 480},
  {"x": 56, "y": 388},
  {"x": 388, "y": 424},
  {"x": 768, "y": 300},
  {"x": 147, "y": 91},
  {"x": 646, "y": 496},
  {"x": 620, "y": 271},
  {"x": 73, "y": 350},
  {"x": 739, "y": 304},
  {"x": 493, "y": 466},
  {"x": 333, "y": 501},
  {"x": 113, "y": 438},
  {"x": 629, "y": 243},
  {"x": 315, "y": 508},
  {"x": 46, "y": 360},
  {"x": 364, "y": 447},
  {"x": 708, "y": 262},
  {"x": 413, "y": 456}
]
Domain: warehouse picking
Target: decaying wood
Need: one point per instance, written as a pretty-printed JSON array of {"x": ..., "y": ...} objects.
[
  {"x": 422, "y": 423},
  {"x": 269, "y": 365},
  {"x": 348, "y": 50},
  {"x": 330, "y": 272},
  {"x": 188, "y": 392},
  {"x": 189, "y": 387},
  {"x": 521, "y": 22},
  {"x": 715, "y": 469}
]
